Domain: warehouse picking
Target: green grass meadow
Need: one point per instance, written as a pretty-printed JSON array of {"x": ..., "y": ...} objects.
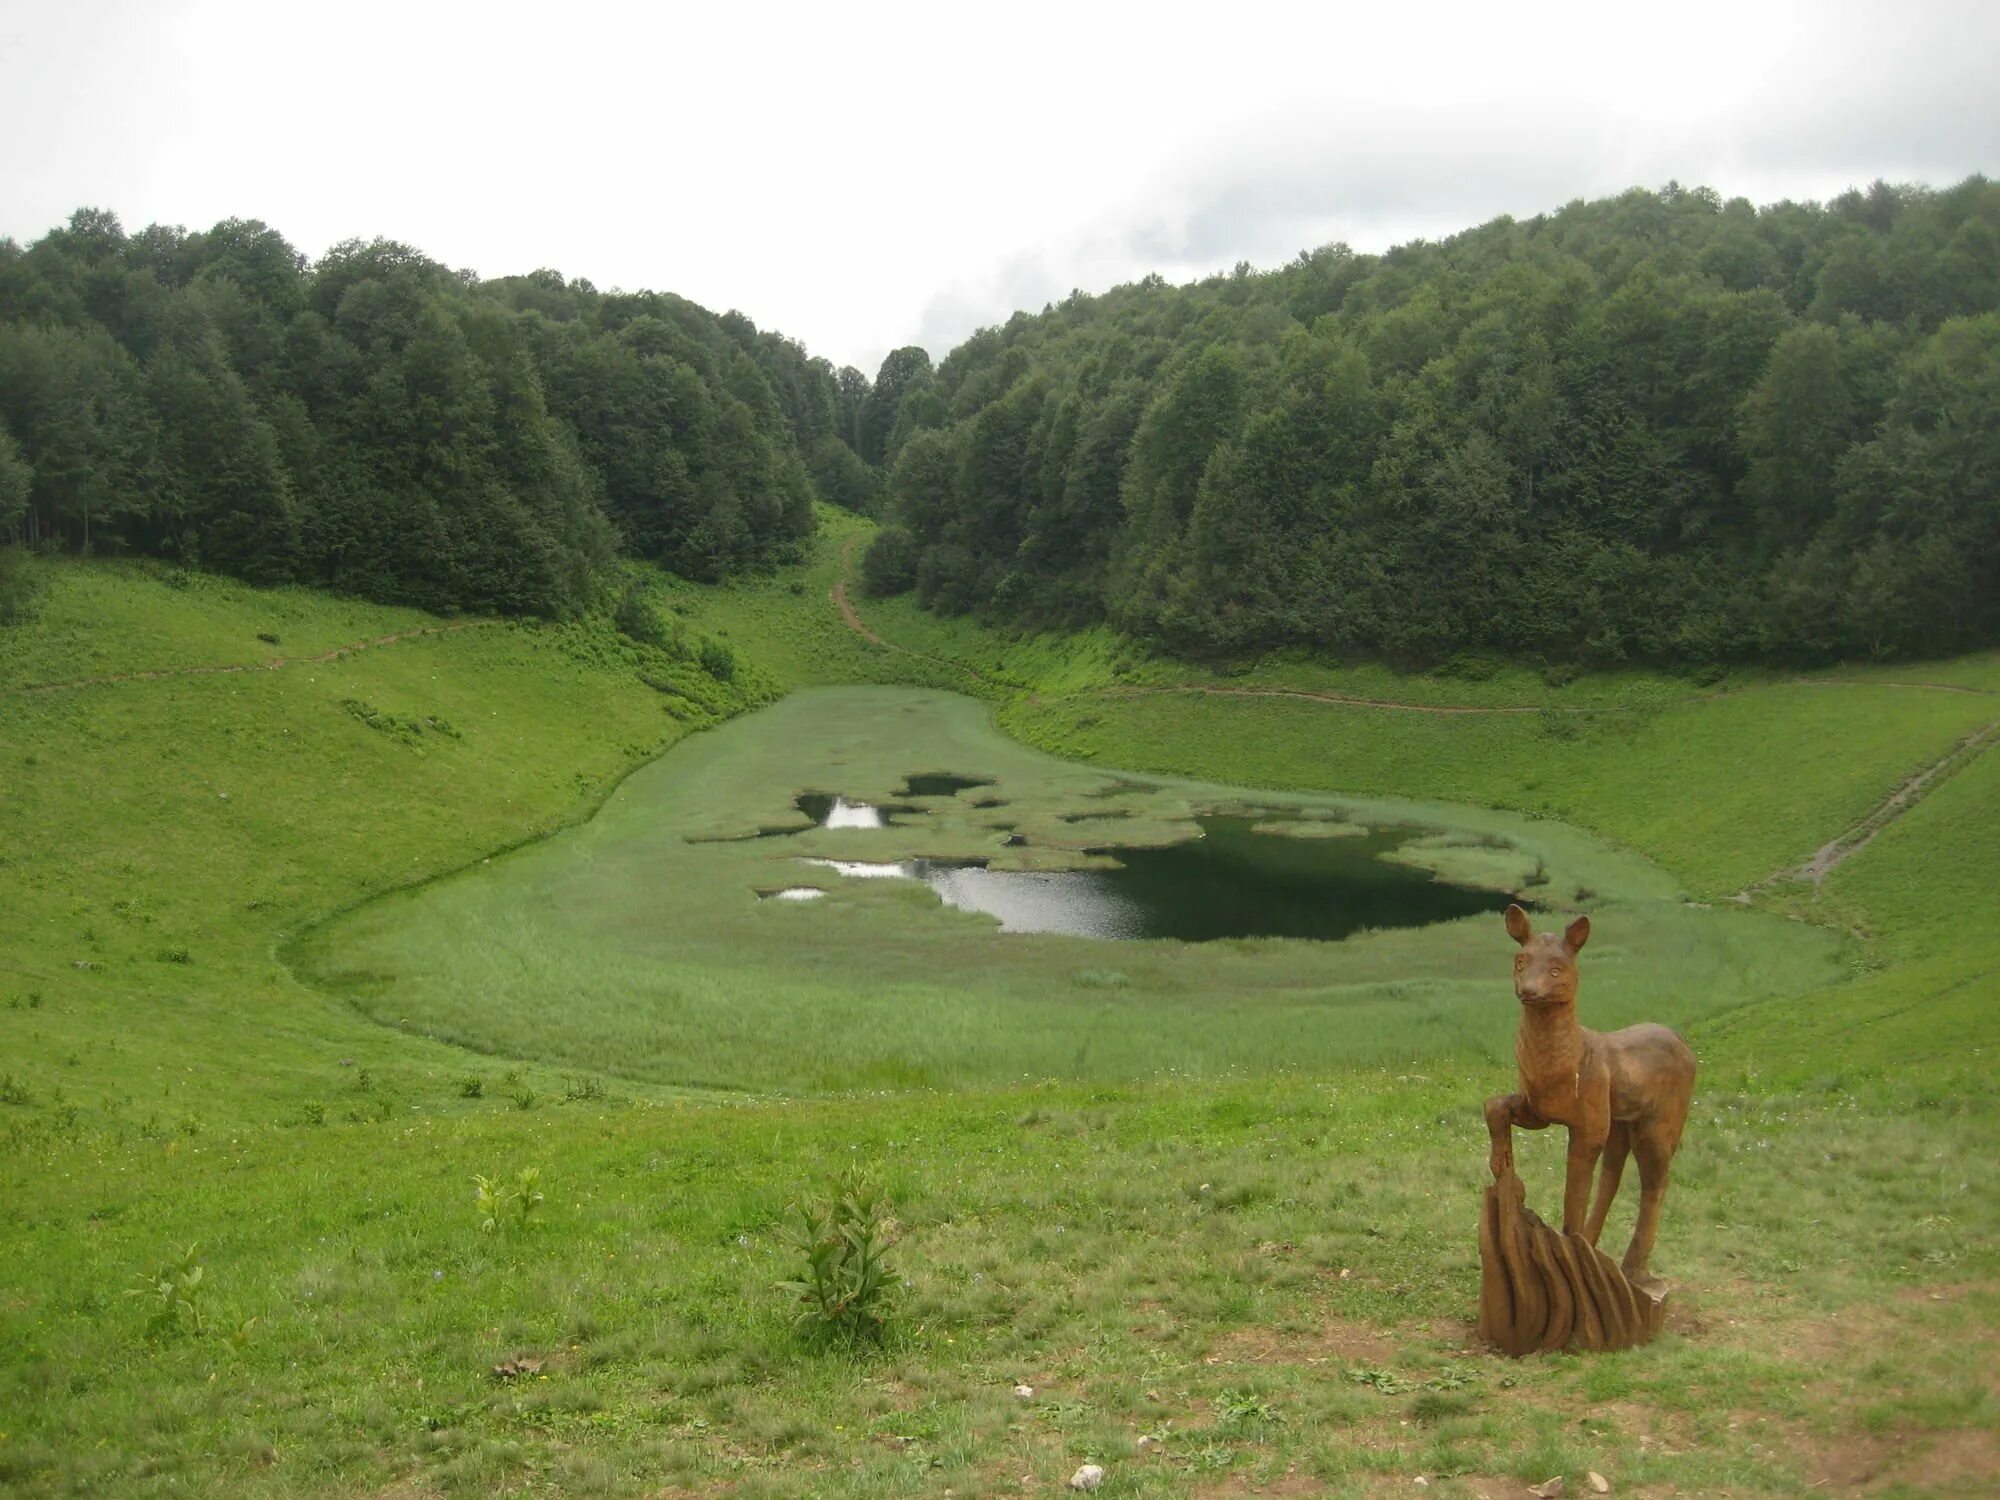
[{"x": 291, "y": 954}]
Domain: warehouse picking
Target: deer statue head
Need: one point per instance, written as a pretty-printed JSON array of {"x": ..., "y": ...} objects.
[{"x": 1545, "y": 968}]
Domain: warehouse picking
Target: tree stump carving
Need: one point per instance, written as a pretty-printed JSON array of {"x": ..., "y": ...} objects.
[{"x": 1541, "y": 1290}]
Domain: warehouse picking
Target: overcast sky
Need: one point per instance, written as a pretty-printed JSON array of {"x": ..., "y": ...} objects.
[{"x": 865, "y": 176}]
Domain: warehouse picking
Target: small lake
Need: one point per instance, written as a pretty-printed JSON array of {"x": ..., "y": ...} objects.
[{"x": 1232, "y": 882}]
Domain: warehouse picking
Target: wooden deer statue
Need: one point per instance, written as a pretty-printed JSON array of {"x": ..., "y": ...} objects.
[{"x": 1618, "y": 1091}]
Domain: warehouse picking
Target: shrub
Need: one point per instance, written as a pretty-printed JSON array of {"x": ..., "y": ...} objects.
[
  {"x": 20, "y": 586},
  {"x": 268, "y": 637},
  {"x": 1468, "y": 666},
  {"x": 635, "y": 618},
  {"x": 845, "y": 1285},
  {"x": 889, "y": 566},
  {"x": 718, "y": 661},
  {"x": 471, "y": 1086}
]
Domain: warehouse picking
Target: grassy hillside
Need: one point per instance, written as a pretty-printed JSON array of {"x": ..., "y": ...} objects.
[
  {"x": 161, "y": 835},
  {"x": 1269, "y": 1267}
]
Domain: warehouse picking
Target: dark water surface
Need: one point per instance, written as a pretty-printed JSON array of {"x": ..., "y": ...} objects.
[{"x": 1231, "y": 882}]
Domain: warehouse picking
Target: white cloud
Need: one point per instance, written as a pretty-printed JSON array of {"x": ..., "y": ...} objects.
[{"x": 861, "y": 178}]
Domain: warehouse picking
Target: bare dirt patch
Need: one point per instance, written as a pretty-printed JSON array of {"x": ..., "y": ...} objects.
[
  {"x": 1963, "y": 1462},
  {"x": 1337, "y": 1339},
  {"x": 1291, "y": 1483}
]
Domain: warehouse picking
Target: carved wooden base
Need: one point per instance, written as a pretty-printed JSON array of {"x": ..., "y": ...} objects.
[{"x": 1541, "y": 1290}]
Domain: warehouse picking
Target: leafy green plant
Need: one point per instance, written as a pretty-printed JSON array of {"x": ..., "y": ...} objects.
[
  {"x": 846, "y": 1286},
  {"x": 174, "y": 1290},
  {"x": 528, "y": 1193},
  {"x": 1246, "y": 1409},
  {"x": 471, "y": 1086},
  {"x": 506, "y": 1205}
]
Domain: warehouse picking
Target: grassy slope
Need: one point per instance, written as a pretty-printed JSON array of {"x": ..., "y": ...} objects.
[
  {"x": 1272, "y": 1272},
  {"x": 101, "y": 618},
  {"x": 160, "y": 837}
]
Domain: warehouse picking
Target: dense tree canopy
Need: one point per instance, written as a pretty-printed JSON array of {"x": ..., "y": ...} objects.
[
  {"x": 1659, "y": 426},
  {"x": 384, "y": 425}
]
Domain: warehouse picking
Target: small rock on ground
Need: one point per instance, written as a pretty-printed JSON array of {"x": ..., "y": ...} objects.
[{"x": 1089, "y": 1477}]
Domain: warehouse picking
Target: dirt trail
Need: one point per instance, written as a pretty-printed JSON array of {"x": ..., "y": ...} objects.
[
  {"x": 854, "y": 622},
  {"x": 272, "y": 665},
  {"x": 1836, "y": 852},
  {"x": 838, "y": 593}
]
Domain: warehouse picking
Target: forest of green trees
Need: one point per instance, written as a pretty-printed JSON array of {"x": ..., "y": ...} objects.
[
  {"x": 1655, "y": 427},
  {"x": 1659, "y": 427},
  {"x": 384, "y": 426}
]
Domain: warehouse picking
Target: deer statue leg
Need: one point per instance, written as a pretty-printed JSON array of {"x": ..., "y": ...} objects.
[
  {"x": 1616, "y": 1145},
  {"x": 1584, "y": 1148},
  {"x": 1503, "y": 1113},
  {"x": 1654, "y": 1146}
]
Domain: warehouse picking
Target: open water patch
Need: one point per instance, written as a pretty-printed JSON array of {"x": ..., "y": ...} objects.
[
  {"x": 1239, "y": 879},
  {"x": 942, "y": 784}
]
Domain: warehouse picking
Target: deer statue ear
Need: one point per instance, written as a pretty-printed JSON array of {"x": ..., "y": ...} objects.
[
  {"x": 1577, "y": 934},
  {"x": 1517, "y": 925}
]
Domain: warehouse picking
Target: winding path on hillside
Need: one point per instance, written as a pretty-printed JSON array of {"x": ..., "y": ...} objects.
[
  {"x": 1837, "y": 851},
  {"x": 1822, "y": 863},
  {"x": 854, "y": 622},
  {"x": 353, "y": 648}
]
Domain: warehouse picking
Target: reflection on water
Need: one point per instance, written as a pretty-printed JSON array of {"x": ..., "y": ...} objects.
[
  {"x": 1231, "y": 882},
  {"x": 831, "y": 811},
  {"x": 1084, "y": 903},
  {"x": 860, "y": 869}
]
